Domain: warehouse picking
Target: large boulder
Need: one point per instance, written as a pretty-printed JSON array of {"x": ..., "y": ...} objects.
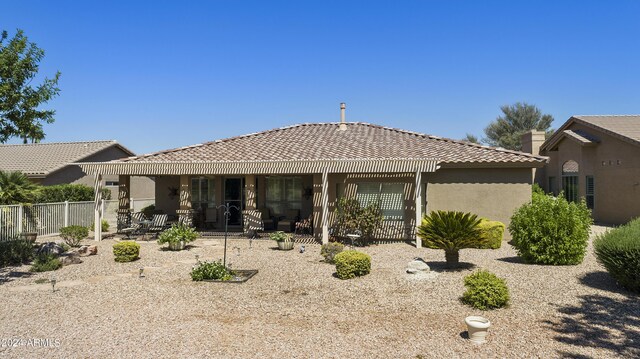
[
  {"x": 87, "y": 250},
  {"x": 418, "y": 265},
  {"x": 70, "y": 258},
  {"x": 50, "y": 248}
]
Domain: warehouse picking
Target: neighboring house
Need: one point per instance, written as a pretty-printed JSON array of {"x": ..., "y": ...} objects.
[
  {"x": 52, "y": 163},
  {"x": 301, "y": 170},
  {"x": 596, "y": 158}
]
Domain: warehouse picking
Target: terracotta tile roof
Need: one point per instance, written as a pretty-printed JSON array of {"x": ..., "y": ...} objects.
[
  {"x": 40, "y": 159},
  {"x": 325, "y": 141}
]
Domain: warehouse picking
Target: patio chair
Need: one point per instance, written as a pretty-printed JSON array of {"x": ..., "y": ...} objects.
[
  {"x": 252, "y": 222},
  {"x": 267, "y": 219},
  {"x": 305, "y": 225},
  {"x": 291, "y": 217},
  {"x": 159, "y": 224},
  {"x": 133, "y": 227}
]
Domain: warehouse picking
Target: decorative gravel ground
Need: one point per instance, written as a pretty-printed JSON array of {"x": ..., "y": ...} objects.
[{"x": 295, "y": 308}]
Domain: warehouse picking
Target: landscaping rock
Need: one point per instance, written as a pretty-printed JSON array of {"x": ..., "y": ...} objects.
[
  {"x": 87, "y": 250},
  {"x": 92, "y": 250},
  {"x": 70, "y": 258},
  {"x": 417, "y": 265},
  {"x": 50, "y": 248}
]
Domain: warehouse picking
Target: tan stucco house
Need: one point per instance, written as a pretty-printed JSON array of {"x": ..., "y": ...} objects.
[
  {"x": 596, "y": 158},
  {"x": 301, "y": 170},
  {"x": 53, "y": 163}
]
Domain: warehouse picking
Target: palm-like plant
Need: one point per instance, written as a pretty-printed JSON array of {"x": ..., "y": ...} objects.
[
  {"x": 451, "y": 231},
  {"x": 15, "y": 188}
]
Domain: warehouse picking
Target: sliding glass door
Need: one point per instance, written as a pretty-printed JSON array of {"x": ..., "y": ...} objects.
[{"x": 233, "y": 190}]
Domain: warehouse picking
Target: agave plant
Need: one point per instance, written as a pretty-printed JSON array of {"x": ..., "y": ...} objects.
[{"x": 451, "y": 231}]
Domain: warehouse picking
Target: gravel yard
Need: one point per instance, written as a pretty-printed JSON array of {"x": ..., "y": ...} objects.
[{"x": 295, "y": 308}]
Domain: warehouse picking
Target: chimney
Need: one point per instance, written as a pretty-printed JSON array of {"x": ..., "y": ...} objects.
[
  {"x": 531, "y": 141},
  {"x": 343, "y": 124}
]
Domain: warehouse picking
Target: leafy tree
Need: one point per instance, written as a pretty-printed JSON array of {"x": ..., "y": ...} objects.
[
  {"x": 20, "y": 115},
  {"x": 451, "y": 231},
  {"x": 16, "y": 188},
  {"x": 352, "y": 217},
  {"x": 471, "y": 138},
  {"x": 517, "y": 119}
]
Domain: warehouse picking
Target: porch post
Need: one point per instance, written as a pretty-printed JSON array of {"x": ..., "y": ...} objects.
[
  {"x": 250, "y": 191},
  {"x": 97, "y": 223},
  {"x": 325, "y": 206},
  {"x": 124, "y": 201},
  {"x": 418, "y": 196},
  {"x": 185, "y": 213}
]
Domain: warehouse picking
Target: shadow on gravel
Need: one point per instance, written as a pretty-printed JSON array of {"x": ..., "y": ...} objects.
[
  {"x": 514, "y": 259},
  {"x": 7, "y": 275},
  {"x": 603, "y": 281},
  {"x": 442, "y": 267},
  {"x": 600, "y": 322}
]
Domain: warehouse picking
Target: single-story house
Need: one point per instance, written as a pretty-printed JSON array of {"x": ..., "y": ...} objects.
[
  {"x": 53, "y": 163},
  {"x": 303, "y": 169},
  {"x": 596, "y": 158}
]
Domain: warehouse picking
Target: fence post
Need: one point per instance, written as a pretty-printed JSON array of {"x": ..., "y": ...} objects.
[
  {"x": 20, "y": 213},
  {"x": 66, "y": 213}
]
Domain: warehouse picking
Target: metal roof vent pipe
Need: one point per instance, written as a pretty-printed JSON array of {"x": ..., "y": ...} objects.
[{"x": 343, "y": 124}]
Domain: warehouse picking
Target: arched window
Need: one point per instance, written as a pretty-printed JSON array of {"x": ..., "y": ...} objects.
[{"x": 570, "y": 171}]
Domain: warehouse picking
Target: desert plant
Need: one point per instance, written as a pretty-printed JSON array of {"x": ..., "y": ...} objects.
[
  {"x": 211, "y": 271},
  {"x": 45, "y": 263},
  {"x": 15, "y": 252},
  {"x": 485, "y": 291},
  {"x": 352, "y": 217},
  {"x": 16, "y": 188},
  {"x": 550, "y": 230},
  {"x": 351, "y": 264},
  {"x": 178, "y": 233},
  {"x": 330, "y": 250},
  {"x": 104, "y": 225},
  {"x": 73, "y": 235},
  {"x": 280, "y": 236},
  {"x": 493, "y": 231},
  {"x": 619, "y": 252},
  {"x": 126, "y": 251},
  {"x": 451, "y": 231}
]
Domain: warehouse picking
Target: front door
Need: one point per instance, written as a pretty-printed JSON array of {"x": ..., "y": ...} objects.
[{"x": 233, "y": 196}]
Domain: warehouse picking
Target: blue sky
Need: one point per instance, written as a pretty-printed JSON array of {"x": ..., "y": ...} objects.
[{"x": 156, "y": 75}]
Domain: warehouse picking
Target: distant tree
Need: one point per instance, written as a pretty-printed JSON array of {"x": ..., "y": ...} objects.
[
  {"x": 517, "y": 119},
  {"x": 20, "y": 115},
  {"x": 471, "y": 138},
  {"x": 16, "y": 188}
]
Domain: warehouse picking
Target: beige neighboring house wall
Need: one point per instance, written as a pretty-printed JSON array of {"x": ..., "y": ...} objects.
[
  {"x": 611, "y": 155},
  {"x": 51, "y": 164}
]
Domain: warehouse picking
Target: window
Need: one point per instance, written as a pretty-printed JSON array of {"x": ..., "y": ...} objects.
[
  {"x": 111, "y": 183},
  {"x": 389, "y": 195},
  {"x": 552, "y": 186},
  {"x": 203, "y": 192},
  {"x": 570, "y": 171},
  {"x": 283, "y": 193},
  {"x": 590, "y": 192}
]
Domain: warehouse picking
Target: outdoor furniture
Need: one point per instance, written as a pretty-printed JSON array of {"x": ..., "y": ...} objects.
[
  {"x": 305, "y": 225},
  {"x": 267, "y": 219},
  {"x": 252, "y": 222},
  {"x": 287, "y": 223},
  {"x": 133, "y": 226},
  {"x": 158, "y": 224}
]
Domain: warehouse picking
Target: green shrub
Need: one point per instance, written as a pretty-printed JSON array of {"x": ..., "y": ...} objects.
[
  {"x": 148, "y": 211},
  {"x": 45, "y": 263},
  {"x": 353, "y": 217},
  {"x": 72, "y": 235},
  {"x": 126, "y": 251},
  {"x": 493, "y": 231},
  {"x": 15, "y": 252},
  {"x": 330, "y": 250},
  {"x": 351, "y": 264},
  {"x": 178, "y": 233},
  {"x": 485, "y": 291},
  {"x": 211, "y": 271},
  {"x": 550, "y": 230},
  {"x": 280, "y": 236},
  {"x": 619, "y": 252},
  {"x": 64, "y": 192},
  {"x": 104, "y": 226}
]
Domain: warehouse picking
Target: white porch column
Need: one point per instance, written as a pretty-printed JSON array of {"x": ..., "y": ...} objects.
[
  {"x": 97, "y": 223},
  {"x": 325, "y": 206},
  {"x": 418, "y": 196}
]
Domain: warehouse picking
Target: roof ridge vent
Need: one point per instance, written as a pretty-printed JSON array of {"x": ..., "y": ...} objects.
[{"x": 343, "y": 124}]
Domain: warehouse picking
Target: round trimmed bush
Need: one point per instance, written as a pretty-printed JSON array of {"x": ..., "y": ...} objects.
[
  {"x": 619, "y": 252},
  {"x": 351, "y": 264},
  {"x": 485, "y": 291},
  {"x": 550, "y": 230},
  {"x": 126, "y": 251}
]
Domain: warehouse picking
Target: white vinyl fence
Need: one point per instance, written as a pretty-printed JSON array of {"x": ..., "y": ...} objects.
[{"x": 48, "y": 218}]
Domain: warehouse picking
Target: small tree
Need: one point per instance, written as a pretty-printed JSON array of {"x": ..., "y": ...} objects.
[
  {"x": 517, "y": 119},
  {"x": 16, "y": 188},
  {"x": 352, "y": 217},
  {"x": 451, "y": 231}
]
